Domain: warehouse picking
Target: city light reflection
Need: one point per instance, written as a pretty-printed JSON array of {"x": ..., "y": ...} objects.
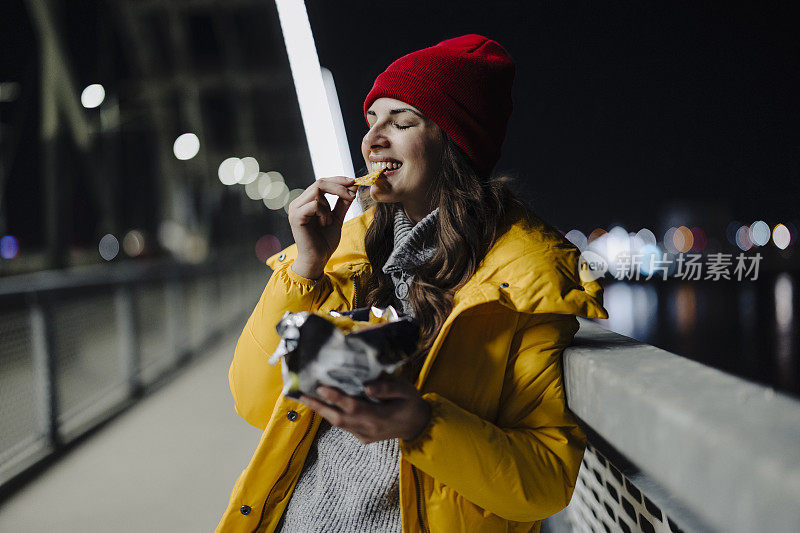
[
  {"x": 685, "y": 309},
  {"x": 632, "y": 310},
  {"x": 784, "y": 296}
]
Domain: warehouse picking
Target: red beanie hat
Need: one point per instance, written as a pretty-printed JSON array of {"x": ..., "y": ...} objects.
[{"x": 463, "y": 85}]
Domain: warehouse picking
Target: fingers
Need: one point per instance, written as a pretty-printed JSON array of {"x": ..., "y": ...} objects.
[
  {"x": 327, "y": 412},
  {"x": 340, "y": 209},
  {"x": 366, "y": 421},
  {"x": 312, "y": 202},
  {"x": 390, "y": 387},
  {"x": 336, "y": 185},
  {"x": 347, "y": 404},
  {"x": 307, "y": 212}
]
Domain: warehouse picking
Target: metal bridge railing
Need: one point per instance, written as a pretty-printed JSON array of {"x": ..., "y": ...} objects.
[
  {"x": 675, "y": 445},
  {"x": 77, "y": 347}
]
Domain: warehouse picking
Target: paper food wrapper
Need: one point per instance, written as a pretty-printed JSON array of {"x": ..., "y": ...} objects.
[{"x": 342, "y": 350}]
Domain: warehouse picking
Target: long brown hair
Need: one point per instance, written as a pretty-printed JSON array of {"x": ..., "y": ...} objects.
[{"x": 472, "y": 213}]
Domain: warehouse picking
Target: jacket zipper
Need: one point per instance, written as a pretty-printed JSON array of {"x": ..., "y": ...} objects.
[
  {"x": 285, "y": 471},
  {"x": 419, "y": 500},
  {"x": 356, "y": 279}
]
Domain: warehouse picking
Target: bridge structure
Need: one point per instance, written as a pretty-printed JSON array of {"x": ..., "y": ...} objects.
[{"x": 116, "y": 409}]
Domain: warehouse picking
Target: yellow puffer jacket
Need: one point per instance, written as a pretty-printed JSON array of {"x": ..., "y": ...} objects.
[{"x": 501, "y": 451}]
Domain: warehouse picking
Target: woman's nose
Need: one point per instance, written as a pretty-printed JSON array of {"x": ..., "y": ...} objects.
[{"x": 376, "y": 137}]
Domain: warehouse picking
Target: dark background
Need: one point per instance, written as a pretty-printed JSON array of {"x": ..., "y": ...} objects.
[{"x": 620, "y": 108}]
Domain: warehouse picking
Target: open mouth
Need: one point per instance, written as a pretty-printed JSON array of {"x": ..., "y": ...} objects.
[{"x": 391, "y": 167}]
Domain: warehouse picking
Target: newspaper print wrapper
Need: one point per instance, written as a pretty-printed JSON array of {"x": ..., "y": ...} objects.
[{"x": 342, "y": 350}]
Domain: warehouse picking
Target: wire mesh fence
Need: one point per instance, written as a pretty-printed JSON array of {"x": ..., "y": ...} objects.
[
  {"x": 75, "y": 350},
  {"x": 605, "y": 500}
]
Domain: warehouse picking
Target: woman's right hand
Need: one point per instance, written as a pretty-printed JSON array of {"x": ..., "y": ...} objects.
[{"x": 317, "y": 229}]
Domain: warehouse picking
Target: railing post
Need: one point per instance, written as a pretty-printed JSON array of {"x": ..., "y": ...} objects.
[
  {"x": 176, "y": 318},
  {"x": 129, "y": 352},
  {"x": 44, "y": 370}
]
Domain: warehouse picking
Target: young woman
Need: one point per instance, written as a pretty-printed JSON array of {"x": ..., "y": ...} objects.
[{"x": 477, "y": 435}]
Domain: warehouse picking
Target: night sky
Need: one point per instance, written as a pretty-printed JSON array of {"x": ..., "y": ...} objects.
[{"x": 622, "y": 110}]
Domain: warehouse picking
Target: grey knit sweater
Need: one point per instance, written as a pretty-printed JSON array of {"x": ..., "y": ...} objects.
[{"x": 346, "y": 486}]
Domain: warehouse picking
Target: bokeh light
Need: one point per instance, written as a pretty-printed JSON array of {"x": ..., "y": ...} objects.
[
  {"x": 172, "y": 236},
  {"x": 646, "y": 236},
  {"x": 247, "y": 171},
  {"x": 700, "y": 240},
  {"x": 226, "y": 171},
  {"x": 669, "y": 240},
  {"x": 650, "y": 254},
  {"x": 617, "y": 243},
  {"x": 781, "y": 236},
  {"x": 196, "y": 249},
  {"x": 267, "y": 246},
  {"x": 683, "y": 239},
  {"x": 640, "y": 238},
  {"x": 108, "y": 247},
  {"x": 732, "y": 230},
  {"x": 9, "y": 247},
  {"x": 278, "y": 196},
  {"x": 759, "y": 233},
  {"x": 272, "y": 186},
  {"x": 294, "y": 193},
  {"x": 577, "y": 238},
  {"x": 743, "y": 238},
  {"x": 133, "y": 243},
  {"x": 186, "y": 146},
  {"x": 784, "y": 295},
  {"x": 253, "y": 189},
  {"x": 596, "y": 234},
  {"x": 93, "y": 95}
]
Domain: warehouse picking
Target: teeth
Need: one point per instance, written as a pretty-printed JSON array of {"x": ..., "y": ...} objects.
[{"x": 388, "y": 165}]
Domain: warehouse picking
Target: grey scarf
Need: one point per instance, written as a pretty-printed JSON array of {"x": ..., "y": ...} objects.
[{"x": 414, "y": 245}]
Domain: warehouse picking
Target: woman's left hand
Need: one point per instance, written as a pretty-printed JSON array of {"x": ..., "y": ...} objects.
[{"x": 402, "y": 413}]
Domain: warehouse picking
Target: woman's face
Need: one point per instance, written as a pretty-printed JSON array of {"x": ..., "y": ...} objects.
[{"x": 409, "y": 146}]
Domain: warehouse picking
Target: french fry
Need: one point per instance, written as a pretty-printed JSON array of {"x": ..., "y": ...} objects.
[{"x": 370, "y": 178}]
